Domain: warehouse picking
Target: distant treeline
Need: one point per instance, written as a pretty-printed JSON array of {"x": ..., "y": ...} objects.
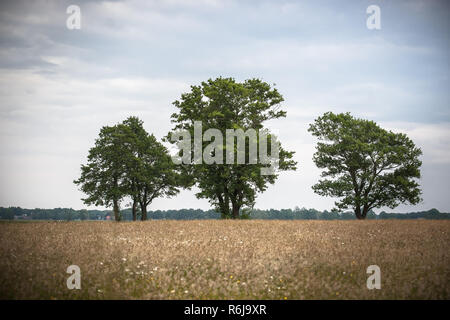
[{"x": 67, "y": 214}]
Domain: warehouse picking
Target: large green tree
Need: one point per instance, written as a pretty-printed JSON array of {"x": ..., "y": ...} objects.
[
  {"x": 223, "y": 104},
  {"x": 365, "y": 166},
  {"x": 150, "y": 171},
  {"x": 127, "y": 162},
  {"x": 132, "y": 133},
  {"x": 101, "y": 177}
]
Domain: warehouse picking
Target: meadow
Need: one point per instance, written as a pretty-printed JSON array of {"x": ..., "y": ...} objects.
[{"x": 225, "y": 259}]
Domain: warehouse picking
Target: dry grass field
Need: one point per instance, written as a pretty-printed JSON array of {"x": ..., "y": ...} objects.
[{"x": 225, "y": 259}]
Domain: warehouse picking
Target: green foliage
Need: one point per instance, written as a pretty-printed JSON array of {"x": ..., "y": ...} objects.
[
  {"x": 149, "y": 170},
  {"x": 365, "y": 165},
  {"x": 195, "y": 214},
  {"x": 225, "y": 104},
  {"x": 101, "y": 176},
  {"x": 246, "y": 214},
  {"x": 126, "y": 161}
]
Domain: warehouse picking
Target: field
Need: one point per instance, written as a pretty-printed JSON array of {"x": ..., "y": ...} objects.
[{"x": 211, "y": 259}]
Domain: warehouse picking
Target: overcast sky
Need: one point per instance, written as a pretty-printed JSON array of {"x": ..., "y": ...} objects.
[{"x": 59, "y": 86}]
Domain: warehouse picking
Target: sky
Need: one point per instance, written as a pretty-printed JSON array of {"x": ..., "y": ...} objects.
[{"x": 59, "y": 86}]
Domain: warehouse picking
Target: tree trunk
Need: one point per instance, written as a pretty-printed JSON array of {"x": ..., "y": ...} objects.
[
  {"x": 358, "y": 213},
  {"x": 143, "y": 212},
  {"x": 224, "y": 206},
  {"x": 235, "y": 213},
  {"x": 365, "y": 211},
  {"x": 116, "y": 210},
  {"x": 134, "y": 210}
]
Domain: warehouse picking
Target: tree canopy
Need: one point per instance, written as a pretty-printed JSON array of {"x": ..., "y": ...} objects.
[
  {"x": 223, "y": 104},
  {"x": 366, "y": 166},
  {"x": 126, "y": 161},
  {"x": 101, "y": 176}
]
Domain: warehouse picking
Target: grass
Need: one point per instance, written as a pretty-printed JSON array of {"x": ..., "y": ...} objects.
[{"x": 213, "y": 259}]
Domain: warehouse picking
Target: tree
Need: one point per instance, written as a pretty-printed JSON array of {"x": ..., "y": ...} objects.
[
  {"x": 127, "y": 162},
  {"x": 101, "y": 176},
  {"x": 223, "y": 104},
  {"x": 133, "y": 133},
  {"x": 83, "y": 214},
  {"x": 150, "y": 170},
  {"x": 366, "y": 166}
]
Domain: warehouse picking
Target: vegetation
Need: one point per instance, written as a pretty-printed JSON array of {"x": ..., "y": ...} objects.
[
  {"x": 66, "y": 214},
  {"x": 223, "y": 104},
  {"x": 365, "y": 165},
  {"x": 126, "y": 161},
  {"x": 225, "y": 259}
]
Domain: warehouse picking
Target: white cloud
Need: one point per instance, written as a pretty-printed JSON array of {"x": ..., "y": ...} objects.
[{"x": 433, "y": 139}]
